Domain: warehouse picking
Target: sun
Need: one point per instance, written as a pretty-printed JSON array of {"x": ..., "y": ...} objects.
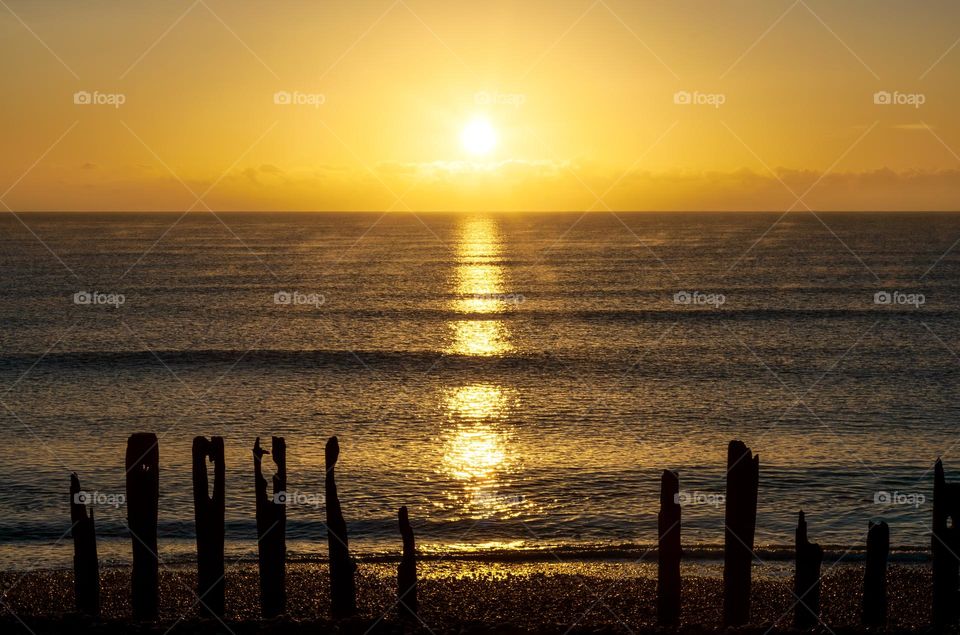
[{"x": 479, "y": 137}]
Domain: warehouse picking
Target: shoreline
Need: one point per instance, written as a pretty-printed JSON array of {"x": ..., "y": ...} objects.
[
  {"x": 457, "y": 595},
  {"x": 116, "y": 553}
]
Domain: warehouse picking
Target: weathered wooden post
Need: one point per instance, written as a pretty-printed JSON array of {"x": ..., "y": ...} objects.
[
  {"x": 875, "y": 575},
  {"x": 343, "y": 600},
  {"x": 86, "y": 567},
  {"x": 271, "y": 529},
  {"x": 806, "y": 578},
  {"x": 208, "y": 514},
  {"x": 407, "y": 570},
  {"x": 743, "y": 477},
  {"x": 143, "y": 496},
  {"x": 945, "y": 545},
  {"x": 668, "y": 550}
]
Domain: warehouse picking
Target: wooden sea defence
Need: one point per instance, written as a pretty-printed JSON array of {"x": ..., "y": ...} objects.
[
  {"x": 668, "y": 550},
  {"x": 142, "y": 464},
  {"x": 143, "y": 497},
  {"x": 945, "y": 545},
  {"x": 209, "y": 511},
  {"x": 271, "y": 513},
  {"x": 806, "y": 578},
  {"x": 407, "y": 569},
  {"x": 740, "y": 522},
  {"x": 86, "y": 568},
  {"x": 343, "y": 594},
  {"x": 875, "y": 575}
]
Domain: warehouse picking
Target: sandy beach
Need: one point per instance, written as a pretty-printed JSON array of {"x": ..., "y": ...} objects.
[{"x": 470, "y": 596}]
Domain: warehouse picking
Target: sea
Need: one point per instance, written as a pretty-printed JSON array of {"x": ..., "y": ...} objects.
[{"x": 518, "y": 381}]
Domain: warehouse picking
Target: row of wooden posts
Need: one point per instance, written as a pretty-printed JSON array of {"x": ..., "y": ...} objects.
[{"x": 743, "y": 471}]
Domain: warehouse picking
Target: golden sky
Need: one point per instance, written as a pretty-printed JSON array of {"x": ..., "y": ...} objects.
[{"x": 581, "y": 105}]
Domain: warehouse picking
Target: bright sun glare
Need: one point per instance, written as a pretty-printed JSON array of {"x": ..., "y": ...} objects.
[{"x": 479, "y": 137}]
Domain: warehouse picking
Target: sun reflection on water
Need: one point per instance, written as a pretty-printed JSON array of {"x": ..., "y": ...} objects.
[
  {"x": 477, "y": 456},
  {"x": 479, "y": 287}
]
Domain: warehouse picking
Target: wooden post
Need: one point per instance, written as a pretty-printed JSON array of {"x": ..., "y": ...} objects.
[
  {"x": 875, "y": 575},
  {"x": 743, "y": 476},
  {"x": 86, "y": 568},
  {"x": 945, "y": 545},
  {"x": 208, "y": 514},
  {"x": 806, "y": 578},
  {"x": 272, "y": 529},
  {"x": 343, "y": 599},
  {"x": 143, "y": 496},
  {"x": 668, "y": 550},
  {"x": 407, "y": 570}
]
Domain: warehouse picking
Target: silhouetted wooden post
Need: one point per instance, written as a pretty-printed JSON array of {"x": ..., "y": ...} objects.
[
  {"x": 343, "y": 600},
  {"x": 86, "y": 567},
  {"x": 208, "y": 514},
  {"x": 875, "y": 575},
  {"x": 272, "y": 528},
  {"x": 407, "y": 570},
  {"x": 945, "y": 545},
  {"x": 143, "y": 496},
  {"x": 669, "y": 551},
  {"x": 806, "y": 578},
  {"x": 743, "y": 476}
]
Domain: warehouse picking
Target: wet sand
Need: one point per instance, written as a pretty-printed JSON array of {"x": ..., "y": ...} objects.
[{"x": 466, "y": 596}]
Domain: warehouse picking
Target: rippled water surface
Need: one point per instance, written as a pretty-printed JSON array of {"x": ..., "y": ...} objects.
[{"x": 516, "y": 380}]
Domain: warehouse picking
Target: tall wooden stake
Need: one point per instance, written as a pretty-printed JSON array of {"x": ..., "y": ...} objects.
[
  {"x": 272, "y": 529},
  {"x": 806, "y": 578},
  {"x": 343, "y": 597},
  {"x": 407, "y": 570},
  {"x": 875, "y": 575},
  {"x": 669, "y": 551},
  {"x": 143, "y": 496},
  {"x": 86, "y": 567},
  {"x": 743, "y": 476},
  {"x": 208, "y": 514},
  {"x": 945, "y": 545}
]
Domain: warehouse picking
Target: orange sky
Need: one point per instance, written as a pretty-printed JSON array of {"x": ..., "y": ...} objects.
[{"x": 595, "y": 104}]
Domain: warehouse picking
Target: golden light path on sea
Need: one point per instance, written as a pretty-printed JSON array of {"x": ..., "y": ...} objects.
[{"x": 477, "y": 453}]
